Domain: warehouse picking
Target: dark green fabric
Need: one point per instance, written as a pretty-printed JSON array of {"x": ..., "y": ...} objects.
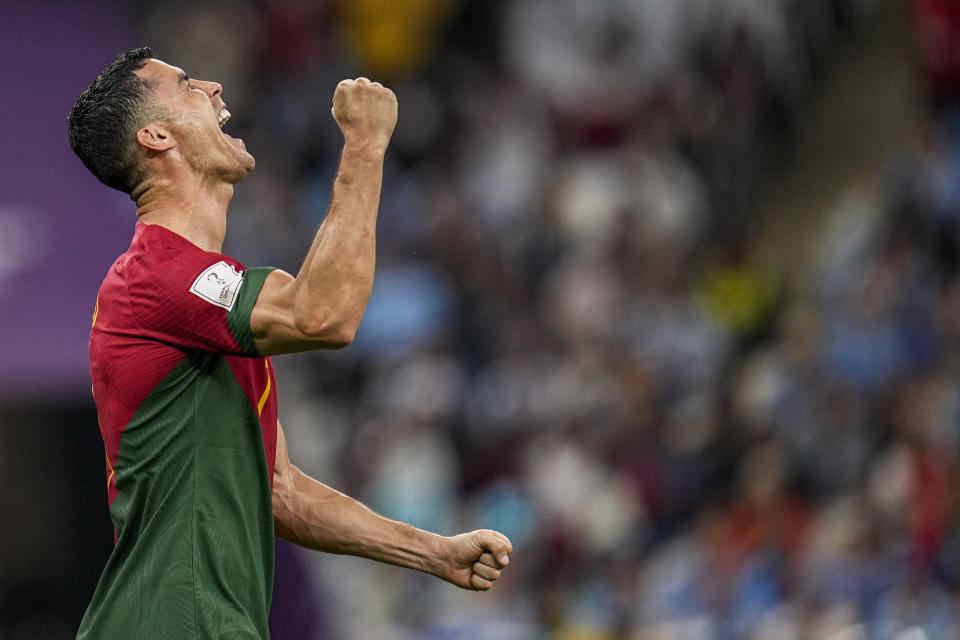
[
  {"x": 238, "y": 318},
  {"x": 194, "y": 553}
]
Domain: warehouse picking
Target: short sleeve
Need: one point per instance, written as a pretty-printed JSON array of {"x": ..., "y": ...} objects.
[
  {"x": 238, "y": 318},
  {"x": 194, "y": 299}
]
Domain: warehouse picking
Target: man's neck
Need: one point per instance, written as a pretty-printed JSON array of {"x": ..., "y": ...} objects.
[{"x": 195, "y": 209}]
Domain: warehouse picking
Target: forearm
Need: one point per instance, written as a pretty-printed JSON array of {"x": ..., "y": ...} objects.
[
  {"x": 312, "y": 515},
  {"x": 315, "y": 516},
  {"x": 340, "y": 263}
]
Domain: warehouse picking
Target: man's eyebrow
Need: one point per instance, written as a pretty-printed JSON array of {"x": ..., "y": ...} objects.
[{"x": 181, "y": 78}]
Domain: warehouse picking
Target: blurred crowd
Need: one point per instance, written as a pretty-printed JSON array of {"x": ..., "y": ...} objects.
[{"x": 572, "y": 337}]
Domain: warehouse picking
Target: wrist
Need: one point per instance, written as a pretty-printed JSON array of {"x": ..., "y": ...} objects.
[
  {"x": 435, "y": 555},
  {"x": 365, "y": 146},
  {"x": 360, "y": 163}
]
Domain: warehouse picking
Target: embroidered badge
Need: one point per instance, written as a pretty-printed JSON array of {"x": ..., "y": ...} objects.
[{"x": 218, "y": 284}]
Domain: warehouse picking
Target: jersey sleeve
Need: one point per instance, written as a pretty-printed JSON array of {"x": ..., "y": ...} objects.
[{"x": 196, "y": 300}]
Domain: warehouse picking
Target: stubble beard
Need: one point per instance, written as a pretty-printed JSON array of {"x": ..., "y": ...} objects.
[
  {"x": 243, "y": 165},
  {"x": 223, "y": 160}
]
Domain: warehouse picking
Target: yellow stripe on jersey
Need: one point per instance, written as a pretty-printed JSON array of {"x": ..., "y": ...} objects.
[
  {"x": 113, "y": 471},
  {"x": 266, "y": 392}
]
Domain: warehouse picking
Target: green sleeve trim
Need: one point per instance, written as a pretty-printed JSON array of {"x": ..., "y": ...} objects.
[{"x": 238, "y": 318}]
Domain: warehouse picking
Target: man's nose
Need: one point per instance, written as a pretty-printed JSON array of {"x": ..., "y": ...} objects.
[{"x": 212, "y": 89}]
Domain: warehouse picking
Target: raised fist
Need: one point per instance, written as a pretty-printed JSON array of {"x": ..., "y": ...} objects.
[
  {"x": 475, "y": 560},
  {"x": 365, "y": 111}
]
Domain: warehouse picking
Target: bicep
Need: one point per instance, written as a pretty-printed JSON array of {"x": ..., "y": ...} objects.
[
  {"x": 276, "y": 326},
  {"x": 283, "y": 482},
  {"x": 281, "y": 467}
]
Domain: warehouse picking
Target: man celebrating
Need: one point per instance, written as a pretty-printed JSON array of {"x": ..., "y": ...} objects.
[{"x": 198, "y": 476}]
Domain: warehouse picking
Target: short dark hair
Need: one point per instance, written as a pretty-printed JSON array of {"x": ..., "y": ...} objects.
[{"x": 104, "y": 119}]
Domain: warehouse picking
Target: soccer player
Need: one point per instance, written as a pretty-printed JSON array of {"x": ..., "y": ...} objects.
[{"x": 198, "y": 475}]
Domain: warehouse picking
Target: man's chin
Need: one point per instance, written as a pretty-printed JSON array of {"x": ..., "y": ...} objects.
[
  {"x": 246, "y": 163},
  {"x": 240, "y": 171},
  {"x": 250, "y": 163}
]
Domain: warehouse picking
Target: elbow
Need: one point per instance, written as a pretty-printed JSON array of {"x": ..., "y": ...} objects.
[
  {"x": 284, "y": 506},
  {"x": 340, "y": 336},
  {"x": 331, "y": 323},
  {"x": 328, "y": 333}
]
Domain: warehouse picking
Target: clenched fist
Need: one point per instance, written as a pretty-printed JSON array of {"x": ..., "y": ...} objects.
[
  {"x": 474, "y": 560},
  {"x": 365, "y": 111}
]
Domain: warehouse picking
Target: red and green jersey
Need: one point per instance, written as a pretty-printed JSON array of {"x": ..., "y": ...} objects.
[{"x": 188, "y": 414}]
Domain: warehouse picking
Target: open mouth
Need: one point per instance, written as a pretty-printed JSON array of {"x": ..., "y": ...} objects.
[{"x": 222, "y": 118}]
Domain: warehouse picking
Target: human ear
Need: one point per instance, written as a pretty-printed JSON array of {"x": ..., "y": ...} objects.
[{"x": 155, "y": 137}]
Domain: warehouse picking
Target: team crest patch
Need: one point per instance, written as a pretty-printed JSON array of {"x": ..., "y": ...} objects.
[{"x": 218, "y": 284}]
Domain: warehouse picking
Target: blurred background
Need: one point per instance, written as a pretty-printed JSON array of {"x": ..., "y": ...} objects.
[{"x": 667, "y": 291}]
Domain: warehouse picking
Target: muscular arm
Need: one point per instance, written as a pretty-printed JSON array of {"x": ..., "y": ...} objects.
[
  {"x": 315, "y": 516},
  {"x": 322, "y": 306}
]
